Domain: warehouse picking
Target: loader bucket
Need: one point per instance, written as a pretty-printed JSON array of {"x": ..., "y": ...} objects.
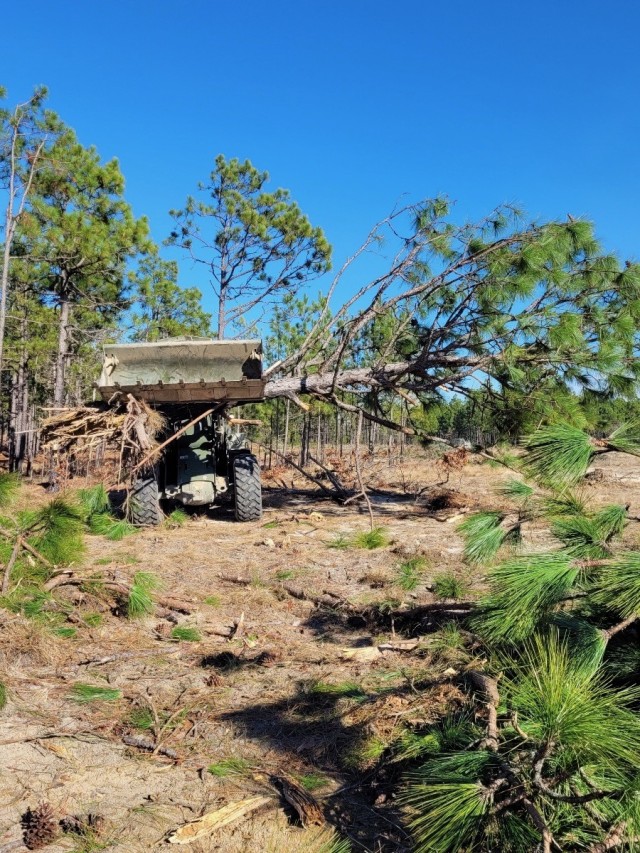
[{"x": 184, "y": 371}]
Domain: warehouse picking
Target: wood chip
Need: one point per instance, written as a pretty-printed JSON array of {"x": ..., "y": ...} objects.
[
  {"x": 399, "y": 646},
  {"x": 189, "y": 832},
  {"x": 364, "y": 654}
]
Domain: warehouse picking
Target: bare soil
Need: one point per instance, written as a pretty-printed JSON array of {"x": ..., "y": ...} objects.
[{"x": 251, "y": 697}]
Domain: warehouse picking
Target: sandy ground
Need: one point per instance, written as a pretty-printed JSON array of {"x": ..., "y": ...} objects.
[{"x": 251, "y": 697}]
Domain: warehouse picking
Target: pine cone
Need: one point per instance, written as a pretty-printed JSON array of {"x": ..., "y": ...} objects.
[{"x": 39, "y": 827}]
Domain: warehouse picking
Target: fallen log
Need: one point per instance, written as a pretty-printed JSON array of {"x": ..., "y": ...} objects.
[{"x": 303, "y": 802}]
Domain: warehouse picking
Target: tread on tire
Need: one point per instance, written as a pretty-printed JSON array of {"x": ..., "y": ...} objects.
[
  {"x": 247, "y": 488},
  {"x": 144, "y": 504}
]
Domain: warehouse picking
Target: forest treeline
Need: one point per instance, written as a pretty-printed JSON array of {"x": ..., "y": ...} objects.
[{"x": 428, "y": 344}]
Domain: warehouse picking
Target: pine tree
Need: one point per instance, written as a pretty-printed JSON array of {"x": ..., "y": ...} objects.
[
  {"x": 26, "y": 134},
  {"x": 80, "y": 234},
  {"x": 163, "y": 309},
  {"x": 256, "y": 244}
]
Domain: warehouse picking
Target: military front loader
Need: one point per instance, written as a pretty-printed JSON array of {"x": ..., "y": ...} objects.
[{"x": 193, "y": 384}]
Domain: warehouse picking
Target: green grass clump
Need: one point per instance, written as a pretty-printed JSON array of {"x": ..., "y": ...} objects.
[
  {"x": 447, "y": 585},
  {"x": 34, "y": 606},
  {"x": 140, "y": 601},
  {"x": 364, "y": 754},
  {"x": 185, "y": 634},
  {"x": 93, "y": 620},
  {"x": 177, "y": 518},
  {"x": 448, "y": 639},
  {"x": 66, "y": 633},
  {"x": 410, "y": 573},
  {"x": 339, "y": 690},
  {"x": 229, "y": 767},
  {"x": 90, "y": 693},
  {"x": 376, "y": 538},
  {"x": 313, "y": 781},
  {"x": 3, "y": 695},
  {"x": 9, "y": 485},
  {"x": 213, "y": 600},
  {"x": 141, "y": 718},
  {"x": 285, "y": 575},
  {"x": 340, "y": 542}
]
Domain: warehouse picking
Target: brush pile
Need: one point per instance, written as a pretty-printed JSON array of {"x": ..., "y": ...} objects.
[{"x": 82, "y": 438}]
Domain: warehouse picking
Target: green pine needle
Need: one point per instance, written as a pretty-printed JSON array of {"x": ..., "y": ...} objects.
[
  {"x": 412, "y": 745},
  {"x": 449, "y": 810},
  {"x": 229, "y": 767},
  {"x": 114, "y": 529},
  {"x": 617, "y": 585},
  {"x": 340, "y": 690},
  {"x": 564, "y": 503},
  {"x": 581, "y": 537},
  {"x": 626, "y": 438},
  {"x": 524, "y": 591},
  {"x": 559, "y": 700},
  {"x": 94, "y": 500},
  {"x": 586, "y": 642},
  {"x": 141, "y": 718},
  {"x": 340, "y": 542},
  {"x": 3, "y": 695},
  {"x": 56, "y": 530},
  {"x": 186, "y": 634},
  {"x": 313, "y": 781},
  {"x": 516, "y": 490},
  {"x": 559, "y": 454},
  {"x": 335, "y": 845},
  {"x": 483, "y": 536},
  {"x": 611, "y": 520},
  {"x": 91, "y": 693},
  {"x": 140, "y": 601}
]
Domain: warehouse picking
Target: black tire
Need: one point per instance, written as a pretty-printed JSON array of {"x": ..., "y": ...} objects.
[
  {"x": 247, "y": 488},
  {"x": 144, "y": 504}
]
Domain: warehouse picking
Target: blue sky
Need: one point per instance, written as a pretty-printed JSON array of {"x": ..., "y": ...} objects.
[{"x": 351, "y": 104}]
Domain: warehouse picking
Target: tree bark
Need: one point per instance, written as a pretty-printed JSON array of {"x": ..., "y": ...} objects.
[
  {"x": 323, "y": 383},
  {"x": 63, "y": 351},
  {"x": 4, "y": 282}
]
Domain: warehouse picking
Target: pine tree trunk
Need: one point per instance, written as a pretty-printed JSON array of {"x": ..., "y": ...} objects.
[
  {"x": 13, "y": 419},
  {"x": 287, "y": 413},
  {"x": 4, "y": 280},
  {"x": 63, "y": 352},
  {"x": 319, "y": 438}
]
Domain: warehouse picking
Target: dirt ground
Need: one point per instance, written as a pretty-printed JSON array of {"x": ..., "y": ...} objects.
[{"x": 255, "y": 704}]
